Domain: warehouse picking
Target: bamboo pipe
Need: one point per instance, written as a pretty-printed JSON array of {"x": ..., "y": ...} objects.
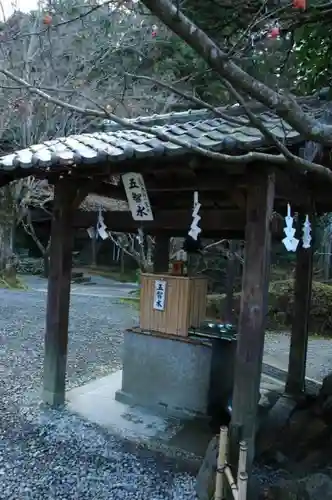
[
  {"x": 242, "y": 467},
  {"x": 231, "y": 482},
  {"x": 242, "y": 486},
  {"x": 221, "y": 463}
]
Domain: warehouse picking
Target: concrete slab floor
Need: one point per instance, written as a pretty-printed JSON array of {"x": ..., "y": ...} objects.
[{"x": 96, "y": 403}]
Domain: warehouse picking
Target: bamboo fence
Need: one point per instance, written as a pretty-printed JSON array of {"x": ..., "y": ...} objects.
[{"x": 224, "y": 475}]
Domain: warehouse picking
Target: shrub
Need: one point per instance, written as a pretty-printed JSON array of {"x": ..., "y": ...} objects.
[
  {"x": 280, "y": 304},
  {"x": 30, "y": 265}
]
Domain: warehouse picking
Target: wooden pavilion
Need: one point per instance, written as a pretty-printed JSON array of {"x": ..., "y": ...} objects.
[{"x": 238, "y": 201}]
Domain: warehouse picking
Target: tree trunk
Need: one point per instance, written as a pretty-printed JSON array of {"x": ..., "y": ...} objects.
[
  {"x": 122, "y": 262},
  {"x": 5, "y": 247},
  {"x": 94, "y": 251},
  {"x": 6, "y": 227},
  {"x": 46, "y": 258},
  {"x": 13, "y": 235},
  {"x": 326, "y": 250}
]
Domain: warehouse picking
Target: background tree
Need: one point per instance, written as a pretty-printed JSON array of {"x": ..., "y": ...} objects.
[
  {"x": 73, "y": 61},
  {"x": 57, "y": 52}
]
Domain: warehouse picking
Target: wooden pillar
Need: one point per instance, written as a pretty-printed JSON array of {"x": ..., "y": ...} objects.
[
  {"x": 58, "y": 296},
  {"x": 231, "y": 272},
  {"x": 295, "y": 383},
  {"x": 248, "y": 364},
  {"x": 161, "y": 254}
]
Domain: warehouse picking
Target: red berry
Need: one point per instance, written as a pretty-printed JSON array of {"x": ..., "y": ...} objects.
[
  {"x": 154, "y": 34},
  {"x": 299, "y": 4},
  {"x": 47, "y": 20},
  {"x": 274, "y": 33}
]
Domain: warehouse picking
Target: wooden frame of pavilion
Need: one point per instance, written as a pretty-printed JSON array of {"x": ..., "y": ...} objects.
[{"x": 238, "y": 201}]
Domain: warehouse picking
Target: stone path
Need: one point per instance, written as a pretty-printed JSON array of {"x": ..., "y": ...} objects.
[
  {"x": 99, "y": 287},
  {"x": 319, "y": 357}
]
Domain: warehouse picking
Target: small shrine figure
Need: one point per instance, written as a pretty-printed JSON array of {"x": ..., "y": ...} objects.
[{"x": 179, "y": 264}]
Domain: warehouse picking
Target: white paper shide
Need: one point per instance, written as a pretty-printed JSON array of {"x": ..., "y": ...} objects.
[
  {"x": 137, "y": 196},
  {"x": 290, "y": 241},
  {"x": 101, "y": 226},
  {"x": 195, "y": 230},
  {"x": 306, "y": 233},
  {"x": 91, "y": 232},
  {"x": 159, "y": 298},
  {"x": 100, "y": 230}
]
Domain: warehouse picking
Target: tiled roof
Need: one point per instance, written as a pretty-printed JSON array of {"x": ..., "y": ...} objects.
[{"x": 230, "y": 134}]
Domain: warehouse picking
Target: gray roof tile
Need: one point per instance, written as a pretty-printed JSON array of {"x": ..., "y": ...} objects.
[
  {"x": 195, "y": 127},
  {"x": 215, "y": 135},
  {"x": 206, "y": 142}
]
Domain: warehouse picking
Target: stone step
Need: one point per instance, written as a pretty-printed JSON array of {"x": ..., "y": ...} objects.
[
  {"x": 76, "y": 274},
  {"x": 81, "y": 280}
]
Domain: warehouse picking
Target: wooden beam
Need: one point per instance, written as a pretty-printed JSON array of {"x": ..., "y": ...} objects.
[
  {"x": 165, "y": 220},
  {"x": 205, "y": 181},
  {"x": 58, "y": 296},
  {"x": 161, "y": 253},
  {"x": 215, "y": 223},
  {"x": 253, "y": 310},
  {"x": 80, "y": 232},
  {"x": 295, "y": 383}
]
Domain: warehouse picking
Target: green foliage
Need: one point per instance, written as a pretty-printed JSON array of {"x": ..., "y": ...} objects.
[
  {"x": 132, "y": 301},
  {"x": 180, "y": 62},
  {"x": 222, "y": 21},
  {"x": 10, "y": 281},
  {"x": 281, "y": 302},
  {"x": 300, "y": 61},
  {"x": 313, "y": 50}
]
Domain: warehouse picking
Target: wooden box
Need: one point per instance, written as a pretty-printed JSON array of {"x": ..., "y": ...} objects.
[{"x": 184, "y": 305}]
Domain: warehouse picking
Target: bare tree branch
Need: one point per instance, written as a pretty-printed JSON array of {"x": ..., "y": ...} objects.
[
  {"x": 255, "y": 120},
  {"x": 245, "y": 158},
  {"x": 128, "y": 243},
  {"x": 54, "y": 26}
]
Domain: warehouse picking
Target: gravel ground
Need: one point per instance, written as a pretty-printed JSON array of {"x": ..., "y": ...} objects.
[
  {"x": 46, "y": 454},
  {"x": 319, "y": 357}
]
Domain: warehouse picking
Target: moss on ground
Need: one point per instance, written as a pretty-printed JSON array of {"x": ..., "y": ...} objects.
[
  {"x": 12, "y": 282},
  {"x": 132, "y": 301},
  {"x": 281, "y": 302}
]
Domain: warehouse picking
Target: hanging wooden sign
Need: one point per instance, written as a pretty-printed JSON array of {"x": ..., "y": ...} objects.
[{"x": 137, "y": 196}]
